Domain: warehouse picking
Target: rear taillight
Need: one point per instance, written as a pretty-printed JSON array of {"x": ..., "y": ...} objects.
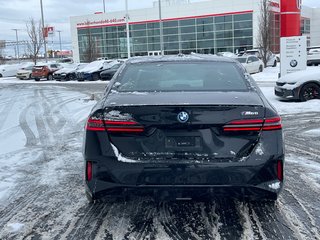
[
  {"x": 254, "y": 125},
  {"x": 124, "y": 126},
  {"x": 95, "y": 125},
  {"x": 280, "y": 170},
  {"x": 272, "y": 124},
  {"x": 114, "y": 126},
  {"x": 89, "y": 171}
]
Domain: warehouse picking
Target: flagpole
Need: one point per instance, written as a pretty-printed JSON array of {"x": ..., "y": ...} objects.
[{"x": 128, "y": 30}]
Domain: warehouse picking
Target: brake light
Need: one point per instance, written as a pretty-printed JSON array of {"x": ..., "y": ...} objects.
[
  {"x": 89, "y": 171},
  {"x": 254, "y": 125},
  {"x": 272, "y": 124},
  {"x": 280, "y": 170},
  {"x": 95, "y": 124},
  {"x": 124, "y": 126}
]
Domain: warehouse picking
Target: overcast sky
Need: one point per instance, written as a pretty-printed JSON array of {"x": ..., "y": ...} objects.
[{"x": 15, "y": 13}]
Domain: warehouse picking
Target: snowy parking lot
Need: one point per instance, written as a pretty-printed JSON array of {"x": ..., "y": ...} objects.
[{"x": 41, "y": 176}]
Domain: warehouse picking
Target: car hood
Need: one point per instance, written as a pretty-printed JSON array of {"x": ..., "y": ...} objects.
[
  {"x": 301, "y": 76},
  {"x": 24, "y": 71},
  {"x": 65, "y": 70}
]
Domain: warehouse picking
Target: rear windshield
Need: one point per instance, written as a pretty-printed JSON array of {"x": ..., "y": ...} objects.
[
  {"x": 242, "y": 60},
  {"x": 189, "y": 76}
]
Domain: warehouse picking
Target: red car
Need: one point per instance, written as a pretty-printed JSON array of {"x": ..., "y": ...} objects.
[{"x": 45, "y": 71}]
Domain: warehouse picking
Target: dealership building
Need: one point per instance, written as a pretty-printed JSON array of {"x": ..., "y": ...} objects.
[{"x": 204, "y": 27}]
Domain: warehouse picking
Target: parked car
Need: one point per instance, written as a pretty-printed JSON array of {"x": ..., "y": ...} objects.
[
  {"x": 226, "y": 54},
  {"x": 25, "y": 72},
  {"x": 272, "y": 58},
  {"x": 92, "y": 71},
  {"x": 251, "y": 63},
  {"x": 68, "y": 72},
  {"x": 108, "y": 74},
  {"x": 313, "y": 58},
  {"x": 45, "y": 71},
  {"x": 302, "y": 85},
  {"x": 9, "y": 70},
  {"x": 183, "y": 127}
]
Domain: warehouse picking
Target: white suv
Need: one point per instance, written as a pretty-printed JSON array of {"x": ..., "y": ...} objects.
[
  {"x": 313, "y": 57},
  {"x": 272, "y": 59}
]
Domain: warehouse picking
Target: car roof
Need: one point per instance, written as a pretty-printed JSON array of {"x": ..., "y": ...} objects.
[{"x": 180, "y": 58}]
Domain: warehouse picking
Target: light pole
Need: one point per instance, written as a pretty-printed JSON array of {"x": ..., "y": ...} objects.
[
  {"x": 161, "y": 27},
  {"x": 128, "y": 31},
  {"x": 104, "y": 6},
  {"x": 44, "y": 37},
  {"x": 60, "y": 43},
  {"x": 17, "y": 44}
]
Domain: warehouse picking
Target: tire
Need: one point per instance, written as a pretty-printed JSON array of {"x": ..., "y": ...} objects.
[
  {"x": 30, "y": 76},
  {"x": 274, "y": 63},
  {"x": 37, "y": 79},
  {"x": 95, "y": 77},
  {"x": 261, "y": 68},
  {"x": 0, "y": 75},
  {"x": 50, "y": 77},
  {"x": 309, "y": 91}
]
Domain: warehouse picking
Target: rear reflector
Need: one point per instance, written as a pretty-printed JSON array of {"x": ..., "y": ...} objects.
[
  {"x": 89, "y": 171},
  {"x": 280, "y": 170},
  {"x": 253, "y": 125}
]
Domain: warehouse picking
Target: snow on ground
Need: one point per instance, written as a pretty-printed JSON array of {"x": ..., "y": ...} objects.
[{"x": 26, "y": 120}]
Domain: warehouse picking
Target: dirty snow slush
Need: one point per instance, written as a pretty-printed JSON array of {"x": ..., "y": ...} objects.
[{"x": 41, "y": 186}]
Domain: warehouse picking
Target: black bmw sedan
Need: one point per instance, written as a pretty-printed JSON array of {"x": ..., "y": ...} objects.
[{"x": 183, "y": 127}]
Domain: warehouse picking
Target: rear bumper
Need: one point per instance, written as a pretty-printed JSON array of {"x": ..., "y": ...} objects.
[{"x": 111, "y": 177}]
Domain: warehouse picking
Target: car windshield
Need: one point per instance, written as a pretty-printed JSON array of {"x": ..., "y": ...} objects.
[
  {"x": 116, "y": 66},
  {"x": 242, "y": 60},
  {"x": 185, "y": 76}
]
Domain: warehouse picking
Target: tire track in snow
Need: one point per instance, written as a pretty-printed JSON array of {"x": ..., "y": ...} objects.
[{"x": 300, "y": 210}]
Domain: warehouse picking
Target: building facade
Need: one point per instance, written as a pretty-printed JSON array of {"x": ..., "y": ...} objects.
[{"x": 202, "y": 27}]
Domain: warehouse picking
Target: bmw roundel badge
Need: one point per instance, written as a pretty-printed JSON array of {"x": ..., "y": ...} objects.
[{"x": 183, "y": 117}]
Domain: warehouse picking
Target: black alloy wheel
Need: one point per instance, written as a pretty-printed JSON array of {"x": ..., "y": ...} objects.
[
  {"x": 310, "y": 91},
  {"x": 50, "y": 77},
  {"x": 95, "y": 76},
  {"x": 260, "y": 68},
  {"x": 275, "y": 63}
]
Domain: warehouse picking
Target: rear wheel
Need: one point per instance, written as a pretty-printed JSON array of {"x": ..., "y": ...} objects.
[
  {"x": 50, "y": 77},
  {"x": 95, "y": 77},
  {"x": 30, "y": 76},
  {"x": 37, "y": 79},
  {"x": 310, "y": 91},
  {"x": 274, "y": 63},
  {"x": 0, "y": 75},
  {"x": 260, "y": 68}
]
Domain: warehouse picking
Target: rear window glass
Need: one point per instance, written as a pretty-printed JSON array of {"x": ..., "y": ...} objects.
[
  {"x": 39, "y": 67},
  {"x": 201, "y": 76}
]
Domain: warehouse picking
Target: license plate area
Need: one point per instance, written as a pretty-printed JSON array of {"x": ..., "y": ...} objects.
[{"x": 183, "y": 142}]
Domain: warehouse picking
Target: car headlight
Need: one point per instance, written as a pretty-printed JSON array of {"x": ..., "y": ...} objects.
[{"x": 291, "y": 83}]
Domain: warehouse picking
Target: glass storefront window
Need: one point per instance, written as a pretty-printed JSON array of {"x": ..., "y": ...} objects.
[
  {"x": 187, "y": 22},
  {"x": 168, "y": 24},
  {"x": 203, "y": 35}
]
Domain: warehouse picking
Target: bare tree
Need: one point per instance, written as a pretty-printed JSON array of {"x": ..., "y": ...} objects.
[
  {"x": 91, "y": 52},
  {"x": 36, "y": 35},
  {"x": 2, "y": 58},
  {"x": 264, "y": 39}
]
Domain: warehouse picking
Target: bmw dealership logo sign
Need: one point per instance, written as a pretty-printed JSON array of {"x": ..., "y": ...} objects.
[{"x": 183, "y": 117}]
